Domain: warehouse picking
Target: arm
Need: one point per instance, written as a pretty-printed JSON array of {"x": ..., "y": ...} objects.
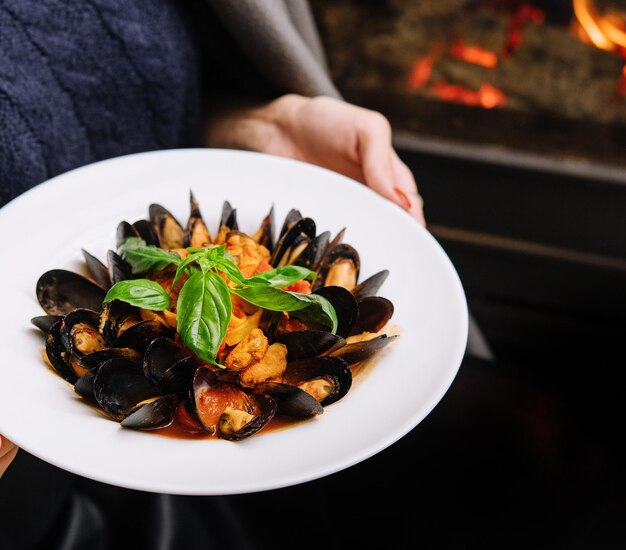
[{"x": 351, "y": 140}]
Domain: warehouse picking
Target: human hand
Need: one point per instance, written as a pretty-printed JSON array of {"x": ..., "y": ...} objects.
[
  {"x": 7, "y": 453},
  {"x": 331, "y": 133}
]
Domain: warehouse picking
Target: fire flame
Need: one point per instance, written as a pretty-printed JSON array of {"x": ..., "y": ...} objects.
[{"x": 605, "y": 31}]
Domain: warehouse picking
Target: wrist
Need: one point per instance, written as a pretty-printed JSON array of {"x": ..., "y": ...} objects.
[{"x": 253, "y": 126}]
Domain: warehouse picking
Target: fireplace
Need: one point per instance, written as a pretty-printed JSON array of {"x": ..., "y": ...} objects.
[
  {"x": 512, "y": 116},
  {"x": 542, "y": 77}
]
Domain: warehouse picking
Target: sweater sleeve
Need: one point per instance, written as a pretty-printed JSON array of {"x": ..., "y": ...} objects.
[{"x": 281, "y": 41}]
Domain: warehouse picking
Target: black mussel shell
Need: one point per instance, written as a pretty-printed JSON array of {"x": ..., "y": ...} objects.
[
  {"x": 265, "y": 234},
  {"x": 371, "y": 285},
  {"x": 58, "y": 355},
  {"x": 80, "y": 334},
  {"x": 309, "y": 343},
  {"x": 124, "y": 231},
  {"x": 140, "y": 336},
  {"x": 291, "y": 218},
  {"x": 84, "y": 385},
  {"x": 292, "y": 401},
  {"x": 119, "y": 269},
  {"x": 157, "y": 413},
  {"x": 145, "y": 230},
  {"x": 229, "y": 217},
  {"x": 312, "y": 255},
  {"x": 228, "y": 411},
  {"x": 332, "y": 373},
  {"x": 60, "y": 291},
  {"x": 264, "y": 408},
  {"x": 169, "y": 232},
  {"x": 374, "y": 313},
  {"x": 45, "y": 322},
  {"x": 116, "y": 317},
  {"x": 178, "y": 378},
  {"x": 345, "y": 305},
  {"x": 160, "y": 356},
  {"x": 120, "y": 385},
  {"x": 196, "y": 233},
  {"x": 95, "y": 359},
  {"x": 359, "y": 351},
  {"x": 293, "y": 242},
  {"x": 330, "y": 272},
  {"x": 337, "y": 239},
  {"x": 97, "y": 270}
]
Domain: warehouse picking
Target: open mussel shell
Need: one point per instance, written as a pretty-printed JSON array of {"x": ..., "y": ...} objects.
[
  {"x": 58, "y": 355},
  {"x": 79, "y": 332},
  {"x": 45, "y": 322},
  {"x": 141, "y": 335},
  {"x": 168, "y": 366},
  {"x": 360, "y": 351},
  {"x": 119, "y": 269},
  {"x": 169, "y": 232},
  {"x": 117, "y": 317},
  {"x": 120, "y": 385},
  {"x": 340, "y": 266},
  {"x": 141, "y": 229},
  {"x": 145, "y": 230},
  {"x": 60, "y": 291},
  {"x": 229, "y": 217},
  {"x": 371, "y": 285},
  {"x": 84, "y": 386},
  {"x": 265, "y": 234},
  {"x": 302, "y": 344},
  {"x": 97, "y": 358},
  {"x": 292, "y": 401},
  {"x": 196, "y": 233},
  {"x": 374, "y": 313},
  {"x": 98, "y": 271},
  {"x": 293, "y": 242},
  {"x": 345, "y": 305},
  {"x": 154, "y": 414},
  {"x": 312, "y": 255},
  {"x": 294, "y": 215},
  {"x": 328, "y": 379},
  {"x": 226, "y": 410}
]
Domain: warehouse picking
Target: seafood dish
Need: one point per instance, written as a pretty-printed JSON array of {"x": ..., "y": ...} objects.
[{"x": 215, "y": 335}]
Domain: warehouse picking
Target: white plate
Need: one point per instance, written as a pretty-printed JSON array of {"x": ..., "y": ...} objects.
[{"x": 46, "y": 228}]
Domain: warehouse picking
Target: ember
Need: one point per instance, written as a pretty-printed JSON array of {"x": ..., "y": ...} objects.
[{"x": 558, "y": 66}]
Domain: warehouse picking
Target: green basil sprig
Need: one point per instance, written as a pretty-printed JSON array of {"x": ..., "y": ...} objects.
[
  {"x": 204, "y": 306},
  {"x": 143, "y": 257}
]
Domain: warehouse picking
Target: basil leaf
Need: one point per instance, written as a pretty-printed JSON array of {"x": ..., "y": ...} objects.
[
  {"x": 141, "y": 293},
  {"x": 231, "y": 271},
  {"x": 310, "y": 307},
  {"x": 282, "y": 276},
  {"x": 203, "y": 312},
  {"x": 182, "y": 266},
  {"x": 142, "y": 257}
]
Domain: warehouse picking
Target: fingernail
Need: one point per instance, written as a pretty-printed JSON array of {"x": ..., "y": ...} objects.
[{"x": 406, "y": 203}]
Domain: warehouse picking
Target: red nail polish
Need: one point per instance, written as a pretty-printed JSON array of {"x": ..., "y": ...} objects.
[{"x": 406, "y": 203}]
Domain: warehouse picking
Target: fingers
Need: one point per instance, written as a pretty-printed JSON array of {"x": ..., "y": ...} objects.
[
  {"x": 7, "y": 453},
  {"x": 383, "y": 170},
  {"x": 406, "y": 187}
]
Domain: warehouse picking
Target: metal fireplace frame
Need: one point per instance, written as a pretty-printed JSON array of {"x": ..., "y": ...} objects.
[{"x": 538, "y": 241}]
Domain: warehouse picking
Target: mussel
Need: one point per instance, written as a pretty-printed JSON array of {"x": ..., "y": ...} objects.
[{"x": 130, "y": 363}]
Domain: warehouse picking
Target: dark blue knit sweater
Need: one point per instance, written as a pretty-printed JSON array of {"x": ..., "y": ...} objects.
[{"x": 86, "y": 80}]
